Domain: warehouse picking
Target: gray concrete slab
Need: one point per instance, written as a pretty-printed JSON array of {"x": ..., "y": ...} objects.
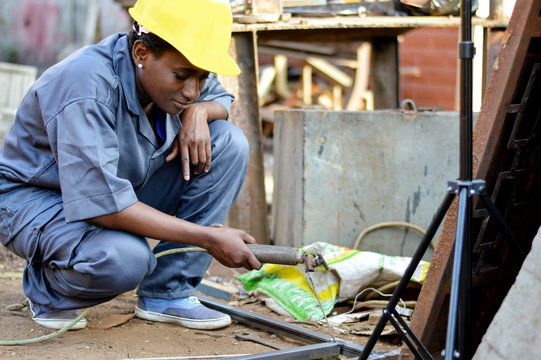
[{"x": 337, "y": 173}]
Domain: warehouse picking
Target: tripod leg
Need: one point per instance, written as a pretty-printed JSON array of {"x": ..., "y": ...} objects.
[
  {"x": 417, "y": 257},
  {"x": 464, "y": 328},
  {"x": 499, "y": 219},
  {"x": 458, "y": 279}
]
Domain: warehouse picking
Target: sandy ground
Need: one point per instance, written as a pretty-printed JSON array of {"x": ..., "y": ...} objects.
[{"x": 114, "y": 333}]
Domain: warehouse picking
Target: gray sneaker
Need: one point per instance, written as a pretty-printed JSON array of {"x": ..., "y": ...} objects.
[
  {"x": 188, "y": 312},
  {"x": 58, "y": 319}
]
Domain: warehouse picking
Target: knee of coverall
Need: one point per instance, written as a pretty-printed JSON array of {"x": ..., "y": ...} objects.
[
  {"x": 117, "y": 261},
  {"x": 231, "y": 139}
]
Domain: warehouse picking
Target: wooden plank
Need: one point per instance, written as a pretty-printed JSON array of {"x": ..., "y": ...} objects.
[
  {"x": 360, "y": 92},
  {"x": 303, "y": 55},
  {"x": 280, "y": 82},
  {"x": 330, "y": 71},
  {"x": 402, "y": 23},
  {"x": 385, "y": 73},
  {"x": 307, "y": 85}
]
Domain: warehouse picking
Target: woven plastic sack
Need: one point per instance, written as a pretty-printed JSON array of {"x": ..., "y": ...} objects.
[{"x": 350, "y": 272}]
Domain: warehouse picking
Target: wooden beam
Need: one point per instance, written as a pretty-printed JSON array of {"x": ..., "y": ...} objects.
[
  {"x": 360, "y": 87},
  {"x": 307, "y": 85},
  {"x": 280, "y": 82},
  {"x": 385, "y": 73},
  {"x": 330, "y": 71},
  {"x": 250, "y": 210}
]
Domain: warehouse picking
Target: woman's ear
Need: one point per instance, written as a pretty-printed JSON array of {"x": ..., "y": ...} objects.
[{"x": 139, "y": 52}]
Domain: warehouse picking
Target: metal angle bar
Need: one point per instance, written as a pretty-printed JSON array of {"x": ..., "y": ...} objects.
[
  {"x": 279, "y": 327},
  {"x": 307, "y": 352},
  {"x": 263, "y": 322}
]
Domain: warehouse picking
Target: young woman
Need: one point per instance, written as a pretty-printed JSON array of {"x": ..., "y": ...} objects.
[{"x": 124, "y": 140}]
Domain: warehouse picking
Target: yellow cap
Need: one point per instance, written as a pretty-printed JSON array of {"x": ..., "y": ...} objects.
[{"x": 199, "y": 29}]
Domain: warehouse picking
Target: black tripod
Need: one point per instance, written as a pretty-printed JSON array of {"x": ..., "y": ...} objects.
[{"x": 458, "y": 343}]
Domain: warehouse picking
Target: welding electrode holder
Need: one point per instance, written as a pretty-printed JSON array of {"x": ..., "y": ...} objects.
[{"x": 283, "y": 255}]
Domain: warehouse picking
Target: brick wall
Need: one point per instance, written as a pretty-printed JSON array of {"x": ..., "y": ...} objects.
[{"x": 428, "y": 67}]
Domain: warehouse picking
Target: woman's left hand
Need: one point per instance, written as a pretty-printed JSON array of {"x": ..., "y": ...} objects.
[{"x": 193, "y": 140}]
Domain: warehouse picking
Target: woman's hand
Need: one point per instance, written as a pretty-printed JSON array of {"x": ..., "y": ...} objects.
[
  {"x": 193, "y": 140},
  {"x": 228, "y": 247}
]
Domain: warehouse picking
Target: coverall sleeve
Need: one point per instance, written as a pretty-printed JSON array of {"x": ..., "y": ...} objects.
[
  {"x": 86, "y": 148},
  {"x": 214, "y": 91}
]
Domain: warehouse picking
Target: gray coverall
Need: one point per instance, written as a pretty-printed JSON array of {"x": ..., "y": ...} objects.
[{"x": 81, "y": 146}]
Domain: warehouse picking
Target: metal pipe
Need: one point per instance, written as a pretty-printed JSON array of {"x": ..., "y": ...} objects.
[
  {"x": 466, "y": 51},
  {"x": 452, "y": 322}
]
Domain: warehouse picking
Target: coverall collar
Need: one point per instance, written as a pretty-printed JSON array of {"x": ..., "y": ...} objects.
[{"x": 123, "y": 66}]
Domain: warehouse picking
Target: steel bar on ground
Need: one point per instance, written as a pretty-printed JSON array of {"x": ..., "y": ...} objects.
[
  {"x": 308, "y": 352},
  {"x": 292, "y": 331}
]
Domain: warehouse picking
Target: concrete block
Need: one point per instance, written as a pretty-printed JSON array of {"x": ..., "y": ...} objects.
[{"x": 338, "y": 172}]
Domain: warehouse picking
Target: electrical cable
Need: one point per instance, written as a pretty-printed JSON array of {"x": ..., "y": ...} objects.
[
  {"x": 87, "y": 311},
  {"x": 378, "y": 303},
  {"x": 388, "y": 224},
  {"x": 373, "y": 302}
]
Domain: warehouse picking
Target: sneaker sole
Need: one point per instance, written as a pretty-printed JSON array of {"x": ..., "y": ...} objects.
[
  {"x": 58, "y": 324},
  {"x": 189, "y": 323}
]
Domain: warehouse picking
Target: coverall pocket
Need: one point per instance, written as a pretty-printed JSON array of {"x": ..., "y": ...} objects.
[
  {"x": 22, "y": 204},
  {"x": 26, "y": 242}
]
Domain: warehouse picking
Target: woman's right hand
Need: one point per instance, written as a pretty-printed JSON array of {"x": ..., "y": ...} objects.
[{"x": 228, "y": 246}]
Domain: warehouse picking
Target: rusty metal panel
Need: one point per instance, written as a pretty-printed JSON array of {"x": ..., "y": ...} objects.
[{"x": 506, "y": 148}]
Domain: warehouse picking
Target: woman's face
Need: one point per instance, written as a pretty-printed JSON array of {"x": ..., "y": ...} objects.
[{"x": 170, "y": 80}]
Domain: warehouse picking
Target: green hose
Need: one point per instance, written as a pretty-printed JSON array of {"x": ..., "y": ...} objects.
[{"x": 75, "y": 321}]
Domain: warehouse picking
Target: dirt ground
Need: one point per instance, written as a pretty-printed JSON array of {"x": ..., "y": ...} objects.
[{"x": 114, "y": 333}]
